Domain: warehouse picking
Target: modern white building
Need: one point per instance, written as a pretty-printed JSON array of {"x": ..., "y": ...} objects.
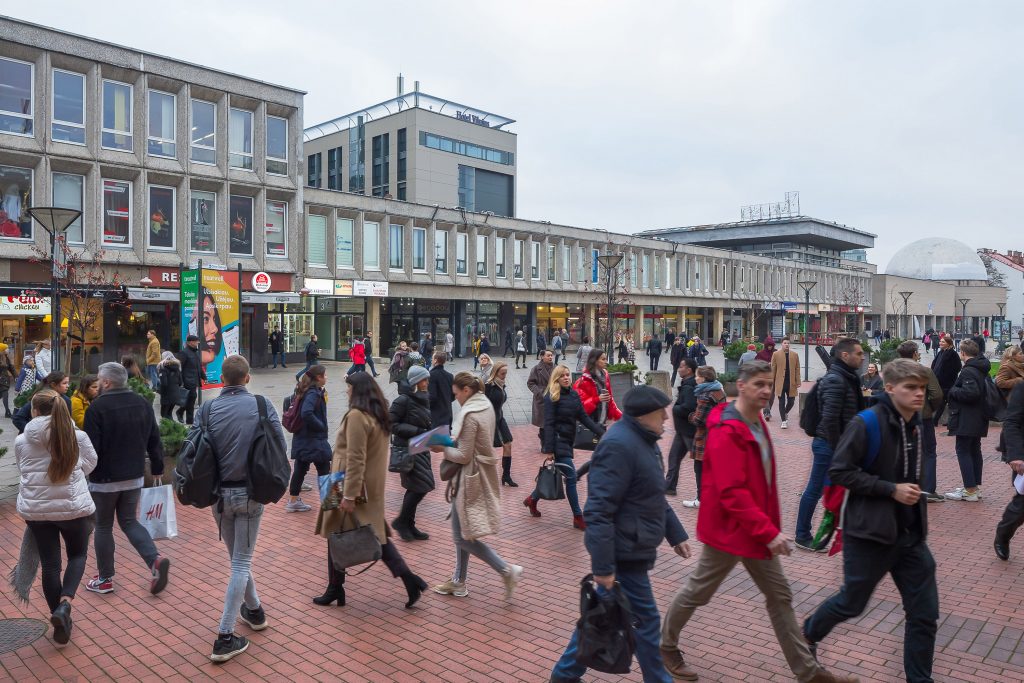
[{"x": 1011, "y": 266}]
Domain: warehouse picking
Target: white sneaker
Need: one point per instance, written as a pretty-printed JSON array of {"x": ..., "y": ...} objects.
[
  {"x": 296, "y": 506},
  {"x": 691, "y": 503},
  {"x": 784, "y": 425},
  {"x": 962, "y": 494},
  {"x": 512, "y": 578}
]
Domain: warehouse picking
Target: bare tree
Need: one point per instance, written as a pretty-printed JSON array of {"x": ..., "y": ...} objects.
[{"x": 995, "y": 278}]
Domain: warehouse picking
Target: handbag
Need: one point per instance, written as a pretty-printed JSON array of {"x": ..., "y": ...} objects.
[
  {"x": 585, "y": 440},
  {"x": 401, "y": 460},
  {"x": 449, "y": 470},
  {"x": 606, "y": 637},
  {"x": 353, "y": 547},
  {"x": 550, "y": 482},
  {"x": 180, "y": 396}
]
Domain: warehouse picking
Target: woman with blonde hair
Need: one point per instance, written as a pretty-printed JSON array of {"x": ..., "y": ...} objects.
[
  {"x": 494, "y": 389},
  {"x": 485, "y": 369},
  {"x": 474, "y": 489},
  {"x": 54, "y": 459},
  {"x": 563, "y": 409},
  {"x": 1011, "y": 370}
]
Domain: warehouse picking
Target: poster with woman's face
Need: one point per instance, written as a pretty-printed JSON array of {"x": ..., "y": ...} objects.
[
  {"x": 213, "y": 316},
  {"x": 240, "y": 225}
]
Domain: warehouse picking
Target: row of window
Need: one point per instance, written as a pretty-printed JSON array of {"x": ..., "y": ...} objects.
[
  {"x": 162, "y": 219},
  {"x": 467, "y": 149},
  {"x": 380, "y": 149},
  {"x": 68, "y": 119}
]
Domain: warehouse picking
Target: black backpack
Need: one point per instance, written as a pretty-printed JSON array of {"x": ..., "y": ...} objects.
[
  {"x": 268, "y": 469},
  {"x": 995, "y": 402},
  {"x": 196, "y": 477},
  {"x": 810, "y": 414}
]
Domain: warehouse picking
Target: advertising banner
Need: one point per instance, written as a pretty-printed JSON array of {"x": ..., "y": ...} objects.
[{"x": 210, "y": 310}]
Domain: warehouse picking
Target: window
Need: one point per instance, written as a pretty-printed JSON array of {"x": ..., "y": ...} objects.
[
  {"x": 419, "y": 249},
  {"x": 343, "y": 242},
  {"x": 402, "y": 153},
  {"x": 240, "y": 234},
  {"x": 396, "y": 247},
  {"x": 117, "y": 213},
  {"x": 16, "y": 89},
  {"x": 203, "y": 219},
  {"x": 632, "y": 270},
  {"x": 645, "y": 271},
  {"x": 551, "y": 263},
  {"x": 484, "y": 191},
  {"x": 667, "y": 271},
  {"x": 277, "y": 145},
  {"x": 381, "y": 165},
  {"x": 518, "y": 255},
  {"x": 467, "y": 187},
  {"x": 15, "y": 222},
  {"x": 441, "y": 251},
  {"x": 371, "y": 245},
  {"x": 566, "y": 263},
  {"x": 277, "y": 229},
  {"x": 461, "y": 247},
  {"x": 468, "y": 149},
  {"x": 68, "y": 107},
  {"x": 204, "y": 132},
  {"x": 161, "y": 217},
  {"x": 240, "y": 139},
  {"x": 161, "y": 124},
  {"x": 117, "y": 116},
  {"x": 501, "y": 243},
  {"x": 356, "y": 162},
  {"x": 481, "y": 255},
  {"x": 535, "y": 262},
  {"x": 316, "y": 239},
  {"x": 334, "y": 170},
  {"x": 313, "y": 169},
  {"x": 656, "y": 280},
  {"x": 69, "y": 193}
]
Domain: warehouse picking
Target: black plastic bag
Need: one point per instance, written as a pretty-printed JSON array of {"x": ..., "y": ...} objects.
[{"x": 606, "y": 638}]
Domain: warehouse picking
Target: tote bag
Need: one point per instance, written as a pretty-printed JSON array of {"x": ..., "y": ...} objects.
[{"x": 157, "y": 512}]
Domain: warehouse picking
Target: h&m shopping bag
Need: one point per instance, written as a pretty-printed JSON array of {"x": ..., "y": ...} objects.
[{"x": 157, "y": 512}]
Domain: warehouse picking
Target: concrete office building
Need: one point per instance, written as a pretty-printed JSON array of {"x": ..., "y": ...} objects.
[
  {"x": 418, "y": 148},
  {"x": 169, "y": 163}
]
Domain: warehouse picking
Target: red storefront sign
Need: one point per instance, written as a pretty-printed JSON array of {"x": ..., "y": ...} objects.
[{"x": 168, "y": 278}]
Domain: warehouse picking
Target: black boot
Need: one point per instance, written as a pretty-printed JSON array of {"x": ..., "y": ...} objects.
[
  {"x": 404, "y": 532},
  {"x": 414, "y": 586},
  {"x": 417, "y": 534},
  {"x": 506, "y": 472},
  {"x": 333, "y": 592}
]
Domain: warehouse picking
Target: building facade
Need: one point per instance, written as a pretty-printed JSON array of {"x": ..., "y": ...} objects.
[
  {"x": 1011, "y": 266},
  {"x": 170, "y": 163}
]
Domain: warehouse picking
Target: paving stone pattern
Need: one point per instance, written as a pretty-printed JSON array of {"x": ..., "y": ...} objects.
[{"x": 131, "y": 635}]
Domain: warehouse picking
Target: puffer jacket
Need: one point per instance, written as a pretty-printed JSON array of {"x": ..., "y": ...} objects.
[
  {"x": 560, "y": 418},
  {"x": 410, "y": 416},
  {"x": 839, "y": 399},
  {"x": 39, "y": 499}
]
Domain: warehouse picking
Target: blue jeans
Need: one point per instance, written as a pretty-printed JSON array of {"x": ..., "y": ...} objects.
[
  {"x": 154, "y": 378},
  {"x": 239, "y": 524},
  {"x": 865, "y": 564},
  {"x": 278, "y": 354},
  {"x": 647, "y": 628},
  {"x": 812, "y": 494},
  {"x": 373, "y": 368},
  {"x": 929, "y": 456},
  {"x": 569, "y": 470},
  {"x": 309, "y": 364}
]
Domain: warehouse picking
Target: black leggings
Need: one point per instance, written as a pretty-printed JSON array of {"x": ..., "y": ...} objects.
[
  {"x": 299, "y": 473},
  {"x": 76, "y": 534}
]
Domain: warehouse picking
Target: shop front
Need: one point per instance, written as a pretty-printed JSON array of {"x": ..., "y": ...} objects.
[
  {"x": 478, "y": 318},
  {"x": 408, "y": 320},
  {"x": 25, "y": 318}
]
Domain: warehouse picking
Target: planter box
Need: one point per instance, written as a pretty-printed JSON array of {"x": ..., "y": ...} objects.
[
  {"x": 621, "y": 383},
  {"x": 149, "y": 480},
  {"x": 732, "y": 365}
]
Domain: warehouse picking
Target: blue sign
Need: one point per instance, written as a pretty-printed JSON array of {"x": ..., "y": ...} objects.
[{"x": 789, "y": 305}]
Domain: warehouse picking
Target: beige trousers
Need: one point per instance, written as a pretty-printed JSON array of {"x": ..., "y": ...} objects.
[{"x": 712, "y": 568}]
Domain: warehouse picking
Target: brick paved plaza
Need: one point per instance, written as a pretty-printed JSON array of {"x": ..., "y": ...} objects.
[{"x": 131, "y": 635}]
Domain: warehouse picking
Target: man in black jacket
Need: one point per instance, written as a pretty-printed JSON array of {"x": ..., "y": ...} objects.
[
  {"x": 312, "y": 356},
  {"x": 192, "y": 374},
  {"x": 276, "y": 345},
  {"x": 427, "y": 349},
  {"x": 368, "y": 346},
  {"x": 123, "y": 430},
  {"x": 686, "y": 403},
  {"x": 440, "y": 392},
  {"x": 886, "y": 520},
  {"x": 1013, "y": 455},
  {"x": 654, "y": 352},
  {"x": 967, "y": 420},
  {"x": 677, "y": 352},
  {"x": 627, "y": 518},
  {"x": 839, "y": 399}
]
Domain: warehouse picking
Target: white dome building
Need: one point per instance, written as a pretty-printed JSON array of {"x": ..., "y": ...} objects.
[{"x": 937, "y": 258}]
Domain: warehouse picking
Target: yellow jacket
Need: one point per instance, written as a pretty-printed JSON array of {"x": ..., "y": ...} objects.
[
  {"x": 153, "y": 352},
  {"x": 79, "y": 404}
]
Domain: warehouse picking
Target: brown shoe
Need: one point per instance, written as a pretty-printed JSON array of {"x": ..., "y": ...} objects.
[
  {"x": 826, "y": 676},
  {"x": 674, "y": 664}
]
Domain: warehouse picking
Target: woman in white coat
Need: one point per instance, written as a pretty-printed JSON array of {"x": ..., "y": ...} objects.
[
  {"x": 53, "y": 498},
  {"x": 474, "y": 491}
]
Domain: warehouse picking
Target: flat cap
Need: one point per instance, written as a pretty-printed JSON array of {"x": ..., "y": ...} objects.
[{"x": 644, "y": 399}]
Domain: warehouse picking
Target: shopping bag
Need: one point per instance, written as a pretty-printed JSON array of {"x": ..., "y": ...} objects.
[
  {"x": 550, "y": 482},
  {"x": 605, "y": 627},
  {"x": 157, "y": 513}
]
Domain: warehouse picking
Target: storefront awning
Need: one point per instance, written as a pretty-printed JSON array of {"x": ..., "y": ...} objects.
[
  {"x": 270, "y": 298},
  {"x": 145, "y": 294}
]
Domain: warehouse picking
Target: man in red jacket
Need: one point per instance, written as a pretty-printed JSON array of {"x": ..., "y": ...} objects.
[{"x": 739, "y": 522}]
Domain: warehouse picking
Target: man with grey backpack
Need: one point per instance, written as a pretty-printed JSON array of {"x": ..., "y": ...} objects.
[{"x": 235, "y": 423}]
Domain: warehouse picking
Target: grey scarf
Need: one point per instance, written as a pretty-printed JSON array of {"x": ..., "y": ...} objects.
[{"x": 24, "y": 573}]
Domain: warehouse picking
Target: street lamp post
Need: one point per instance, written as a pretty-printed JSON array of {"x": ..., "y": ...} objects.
[
  {"x": 1002, "y": 324},
  {"x": 963, "y": 316},
  {"x": 55, "y": 221},
  {"x": 610, "y": 262},
  {"x": 807, "y": 286},
  {"x": 906, "y": 313}
]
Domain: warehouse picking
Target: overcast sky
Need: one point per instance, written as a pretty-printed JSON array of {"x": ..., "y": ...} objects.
[{"x": 899, "y": 118}]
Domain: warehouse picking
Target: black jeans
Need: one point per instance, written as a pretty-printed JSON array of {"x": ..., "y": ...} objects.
[
  {"x": 968, "y": 455},
  {"x": 654, "y": 362},
  {"x": 680, "y": 445},
  {"x": 410, "y": 501},
  {"x": 520, "y": 354},
  {"x": 3, "y": 397},
  {"x": 698, "y": 472},
  {"x": 929, "y": 455},
  {"x": 124, "y": 504},
  {"x": 785, "y": 405},
  {"x": 1013, "y": 517},
  {"x": 190, "y": 405},
  {"x": 299, "y": 473},
  {"x": 76, "y": 534},
  {"x": 865, "y": 564}
]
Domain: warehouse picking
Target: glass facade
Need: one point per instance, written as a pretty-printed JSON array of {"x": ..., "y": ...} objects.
[
  {"x": 356, "y": 162},
  {"x": 334, "y": 169},
  {"x": 468, "y": 149},
  {"x": 486, "y": 191},
  {"x": 381, "y": 165},
  {"x": 314, "y": 165},
  {"x": 402, "y": 161}
]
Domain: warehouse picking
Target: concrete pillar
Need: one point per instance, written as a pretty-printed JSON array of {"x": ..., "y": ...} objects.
[
  {"x": 719, "y": 323},
  {"x": 373, "y": 323}
]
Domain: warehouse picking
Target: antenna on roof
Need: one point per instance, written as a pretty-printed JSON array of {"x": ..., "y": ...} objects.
[
  {"x": 401, "y": 85},
  {"x": 763, "y": 212}
]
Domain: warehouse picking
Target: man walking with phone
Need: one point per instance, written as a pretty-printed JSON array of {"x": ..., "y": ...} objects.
[
  {"x": 878, "y": 460},
  {"x": 739, "y": 522}
]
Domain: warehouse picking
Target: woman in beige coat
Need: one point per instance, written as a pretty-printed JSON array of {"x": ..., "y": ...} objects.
[
  {"x": 786, "y": 374},
  {"x": 475, "y": 491},
  {"x": 361, "y": 452}
]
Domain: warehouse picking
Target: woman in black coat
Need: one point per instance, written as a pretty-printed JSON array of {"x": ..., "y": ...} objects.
[
  {"x": 310, "y": 444},
  {"x": 494, "y": 390},
  {"x": 410, "y": 416},
  {"x": 946, "y": 367},
  {"x": 562, "y": 410},
  {"x": 171, "y": 384}
]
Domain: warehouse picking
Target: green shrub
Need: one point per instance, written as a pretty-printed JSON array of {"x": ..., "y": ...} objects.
[
  {"x": 622, "y": 367},
  {"x": 886, "y": 352},
  {"x": 724, "y": 377},
  {"x": 26, "y": 394},
  {"x": 140, "y": 387},
  {"x": 172, "y": 435},
  {"x": 994, "y": 370}
]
